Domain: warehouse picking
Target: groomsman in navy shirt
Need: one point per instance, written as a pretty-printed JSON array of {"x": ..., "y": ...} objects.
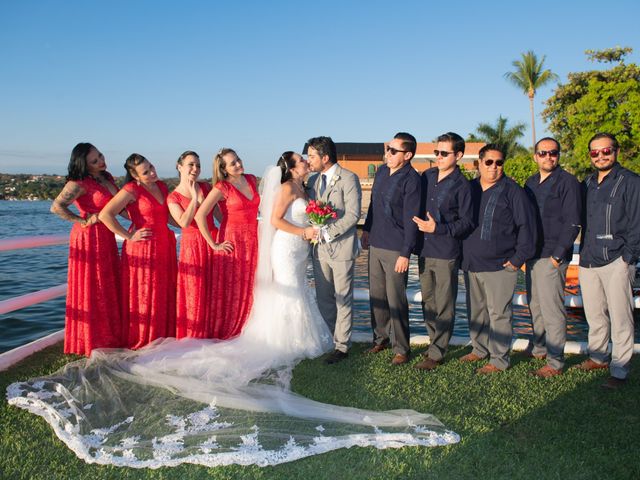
[
  {"x": 609, "y": 251},
  {"x": 504, "y": 239},
  {"x": 448, "y": 217},
  {"x": 390, "y": 235},
  {"x": 556, "y": 196}
]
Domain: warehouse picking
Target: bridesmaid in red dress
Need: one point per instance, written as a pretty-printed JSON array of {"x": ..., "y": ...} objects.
[
  {"x": 92, "y": 318},
  {"x": 148, "y": 255},
  {"x": 237, "y": 196},
  {"x": 196, "y": 262}
]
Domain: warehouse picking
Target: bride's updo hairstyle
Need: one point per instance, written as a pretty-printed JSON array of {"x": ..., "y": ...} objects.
[{"x": 286, "y": 162}]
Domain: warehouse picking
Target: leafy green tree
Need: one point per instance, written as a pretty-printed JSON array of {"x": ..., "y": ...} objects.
[
  {"x": 520, "y": 167},
  {"x": 529, "y": 76},
  {"x": 501, "y": 134},
  {"x": 598, "y": 101}
]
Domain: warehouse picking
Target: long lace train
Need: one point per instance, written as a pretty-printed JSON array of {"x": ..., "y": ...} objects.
[{"x": 163, "y": 406}]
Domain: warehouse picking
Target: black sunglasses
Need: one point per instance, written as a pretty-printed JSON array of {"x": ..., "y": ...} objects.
[
  {"x": 393, "y": 151},
  {"x": 442, "y": 152},
  {"x": 490, "y": 162},
  {"x": 551, "y": 153}
]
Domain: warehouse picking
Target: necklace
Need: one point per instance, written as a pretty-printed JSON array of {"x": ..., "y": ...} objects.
[{"x": 298, "y": 186}]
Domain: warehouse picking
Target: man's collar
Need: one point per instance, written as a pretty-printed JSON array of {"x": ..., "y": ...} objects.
[
  {"x": 613, "y": 173},
  {"x": 330, "y": 172}
]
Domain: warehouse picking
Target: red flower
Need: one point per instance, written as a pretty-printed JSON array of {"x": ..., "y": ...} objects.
[{"x": 320, "y": 212}]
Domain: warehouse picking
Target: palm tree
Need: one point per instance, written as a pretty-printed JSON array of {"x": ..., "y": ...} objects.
[
  {"x": 529, "y": 76},
  {"x": 500, "y": 134}
]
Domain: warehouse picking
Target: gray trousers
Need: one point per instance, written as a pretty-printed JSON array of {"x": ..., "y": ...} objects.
[
  {"x": 334, "y": 292},
  {"x": 490, "y": 297},
  {"x": 545, "y": 295},
  {"x": 388, "y": 300},
  {"x": 439, "y": 288},
  {"x": 607, "y": 298}
]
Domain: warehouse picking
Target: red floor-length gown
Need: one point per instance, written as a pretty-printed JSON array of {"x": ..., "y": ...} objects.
[
  {"x": 149, "y": 271},
  {"x": 92, "y": 318},
  {"x": 195, "y": 269},
  {"x": 235, "y": 273}
]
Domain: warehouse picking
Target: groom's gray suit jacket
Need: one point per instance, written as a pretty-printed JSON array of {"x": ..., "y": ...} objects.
[{"x": 345, "y": 196}]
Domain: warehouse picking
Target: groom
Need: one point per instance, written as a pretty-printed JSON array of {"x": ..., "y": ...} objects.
[{"x": 334, "y": 256}]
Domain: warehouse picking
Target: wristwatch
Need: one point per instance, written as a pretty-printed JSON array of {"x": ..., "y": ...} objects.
[{"x": 559, "y": 260}]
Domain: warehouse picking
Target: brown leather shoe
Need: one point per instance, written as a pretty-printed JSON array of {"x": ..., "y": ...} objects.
[
  {"x": 614, "y": 383},
  {"x": 377, "y": 348},
  {"x": 546, "y": 372},
  {"x": 399, "y": 359},
  {"x": 589, "y": 365},
  {"x": 470, "y": 357},
  {"x": 537, "y": 357},
  {"x": 488, "y": 369},
  {"x": 427, "y": 364}
]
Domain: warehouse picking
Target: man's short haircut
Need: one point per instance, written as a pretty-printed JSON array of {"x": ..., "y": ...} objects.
[
  {"x": 544, "y": 139},
  {"x": 408, "y": 142},
  {"x": 324, "y": 146},
  {"x": 457, "y": 142},
  {"x": 491, "y": 146},
  {"x": 610, "y": 136}
]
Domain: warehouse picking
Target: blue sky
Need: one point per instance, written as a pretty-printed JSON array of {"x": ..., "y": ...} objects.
[{"x": 158, "y": 77}]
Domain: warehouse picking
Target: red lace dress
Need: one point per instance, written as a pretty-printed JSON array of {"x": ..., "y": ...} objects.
[
  {"x": 195, "y": 268},
  {"x": 92, "y": 318},
  {"x": 233, "y": 282},
  {"x": 149, "y": 271}
]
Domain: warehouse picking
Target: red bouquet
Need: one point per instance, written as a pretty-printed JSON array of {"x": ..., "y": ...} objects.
[{"x": 320, "y": 212}]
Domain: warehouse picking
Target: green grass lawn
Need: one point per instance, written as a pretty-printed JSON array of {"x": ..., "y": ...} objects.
[{"x": 512, "y": 425}]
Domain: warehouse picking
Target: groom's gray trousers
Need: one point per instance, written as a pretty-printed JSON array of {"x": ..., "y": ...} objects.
[{"x": 334, "y": 292}]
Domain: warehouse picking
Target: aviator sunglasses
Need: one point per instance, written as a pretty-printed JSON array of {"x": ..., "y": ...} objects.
[
  {"x": 551, "y": 153},
  {"x": 393, "y": 151},
  {"x": 605, "y": 151},
  {"x": 442, "y": 152},
  {"x": 490, "y": 162}
]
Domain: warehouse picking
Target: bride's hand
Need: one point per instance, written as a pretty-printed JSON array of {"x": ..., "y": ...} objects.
[
  {"x": 225, "y": 246},
  {"x": 309, "y": 234}
]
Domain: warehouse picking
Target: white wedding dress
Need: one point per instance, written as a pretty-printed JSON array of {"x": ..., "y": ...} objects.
[{"x": 220, "y": 402}]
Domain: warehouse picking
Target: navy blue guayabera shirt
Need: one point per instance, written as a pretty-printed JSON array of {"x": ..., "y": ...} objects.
[
  {"x": 611, "y": 218},
  {"x": 449, "y": 204},
  {"x": 506, "y": 227},
  {"x": 558, "y": 204},
  {"x": 395, "y": 200}
]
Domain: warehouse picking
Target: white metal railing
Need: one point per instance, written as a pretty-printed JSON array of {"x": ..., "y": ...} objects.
[
  {"x": 16, "y": 303},
  {"x": 16, "y": 243},
  {"x": 22, "y": 301}
]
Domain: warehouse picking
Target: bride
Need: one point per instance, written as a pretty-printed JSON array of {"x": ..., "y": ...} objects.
[{"x": 227, "y": 402}]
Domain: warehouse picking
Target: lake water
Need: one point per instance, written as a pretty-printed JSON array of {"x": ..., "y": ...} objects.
[{"x": 25, "y": 271}]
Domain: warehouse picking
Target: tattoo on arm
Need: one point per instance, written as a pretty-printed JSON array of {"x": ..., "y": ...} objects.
[{"x": 60, "y": 206}]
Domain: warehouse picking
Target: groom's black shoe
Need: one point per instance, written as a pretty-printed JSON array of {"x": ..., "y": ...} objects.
[{"x": 335, "y": 357}]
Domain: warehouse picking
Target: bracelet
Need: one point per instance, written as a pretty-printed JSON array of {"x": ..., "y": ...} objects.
[{"x": 304, "y": 234}]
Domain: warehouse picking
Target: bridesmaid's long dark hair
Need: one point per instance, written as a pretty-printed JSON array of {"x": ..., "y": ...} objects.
[
  {"x": 286, "y": 162},
  {"x": 77, "y": 169}
]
